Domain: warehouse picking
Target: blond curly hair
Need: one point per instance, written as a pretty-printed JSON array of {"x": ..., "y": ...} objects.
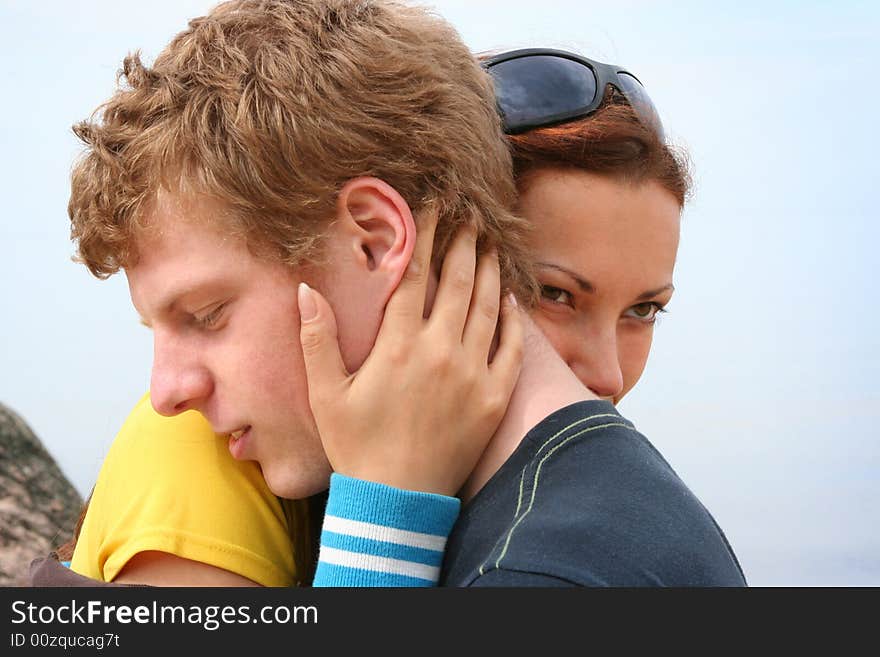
[{"x": 270, "y": 106}]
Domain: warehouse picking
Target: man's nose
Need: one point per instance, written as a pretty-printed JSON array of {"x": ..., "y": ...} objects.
[
  {"x": 596, "y": 362},
  {"x": 179, "y": 381}
]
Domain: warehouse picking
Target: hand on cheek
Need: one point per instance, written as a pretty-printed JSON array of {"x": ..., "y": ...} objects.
[{"x": 420, "y": 410}]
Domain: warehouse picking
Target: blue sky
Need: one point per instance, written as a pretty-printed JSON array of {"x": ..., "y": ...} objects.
[{"x": 762, "y": 390}]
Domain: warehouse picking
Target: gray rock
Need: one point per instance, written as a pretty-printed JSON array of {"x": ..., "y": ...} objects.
[{"x": 39, "y": 506}]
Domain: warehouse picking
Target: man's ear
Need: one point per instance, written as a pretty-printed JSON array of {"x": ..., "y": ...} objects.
[{"x": 379, "y": 226}]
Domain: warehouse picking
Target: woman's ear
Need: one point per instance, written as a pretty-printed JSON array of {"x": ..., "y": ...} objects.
[{"x": 378, "y": 225}]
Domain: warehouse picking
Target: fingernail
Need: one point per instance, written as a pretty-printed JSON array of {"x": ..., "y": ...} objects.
[
  {"x": 511, "y": 298},
  {"x": 308, "y": 309}
]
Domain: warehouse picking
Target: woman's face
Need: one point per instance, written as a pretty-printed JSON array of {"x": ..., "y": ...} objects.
[{"x": 606, "y": 252}]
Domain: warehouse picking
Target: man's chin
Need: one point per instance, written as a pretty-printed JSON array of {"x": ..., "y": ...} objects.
[{"x": 295, "y": 485}]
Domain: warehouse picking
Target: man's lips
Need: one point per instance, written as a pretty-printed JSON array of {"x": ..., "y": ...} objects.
[{"x": 238, "y": 441}]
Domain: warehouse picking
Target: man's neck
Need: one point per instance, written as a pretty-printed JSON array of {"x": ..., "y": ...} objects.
[{"x": 546, "y": 384}]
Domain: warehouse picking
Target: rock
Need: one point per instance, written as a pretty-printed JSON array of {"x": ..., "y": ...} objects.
[{"x": 39, "y": 507}]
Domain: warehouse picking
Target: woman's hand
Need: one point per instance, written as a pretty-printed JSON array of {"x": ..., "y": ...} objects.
[{"x": 419, "y": 412}]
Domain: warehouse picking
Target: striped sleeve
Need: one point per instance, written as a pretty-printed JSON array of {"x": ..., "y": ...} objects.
[{"x": 377, "y": 535}]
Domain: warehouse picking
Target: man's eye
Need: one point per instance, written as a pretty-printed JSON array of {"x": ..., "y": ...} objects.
[
  {"x": 556, "y": 295},
  {"x": 645, "y": 312},
  {"x": 209, "y": 320}
]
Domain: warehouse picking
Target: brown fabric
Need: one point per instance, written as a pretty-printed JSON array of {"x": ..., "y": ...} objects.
[{"x": 49, "y": 572}]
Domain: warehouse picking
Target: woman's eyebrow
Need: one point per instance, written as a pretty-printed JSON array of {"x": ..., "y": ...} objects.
[
  {"x": 588, "y": 287},
  {"x": 582, "y": 283},
  {"x": 644, "y": 296}
]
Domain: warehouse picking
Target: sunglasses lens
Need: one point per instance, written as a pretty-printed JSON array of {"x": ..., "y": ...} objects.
[
  {"x": 640, "y": 101},
  {"x": 531, "y": 90}
]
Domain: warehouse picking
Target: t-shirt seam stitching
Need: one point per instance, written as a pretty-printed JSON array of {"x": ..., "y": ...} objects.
[{"x": 517, "y": 519}]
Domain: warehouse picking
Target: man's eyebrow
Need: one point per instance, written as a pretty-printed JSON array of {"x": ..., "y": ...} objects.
[
  {"x": 169, "y": 305},
  {"x": 589, "y": 288}
]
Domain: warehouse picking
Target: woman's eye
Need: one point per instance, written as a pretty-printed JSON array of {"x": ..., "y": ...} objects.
[
  {"x": 645, "y": 312},
  {"x": 556, "y": 295}
]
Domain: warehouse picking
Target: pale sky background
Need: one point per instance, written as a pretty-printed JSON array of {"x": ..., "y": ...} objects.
[{"x": 762, "y": 390}]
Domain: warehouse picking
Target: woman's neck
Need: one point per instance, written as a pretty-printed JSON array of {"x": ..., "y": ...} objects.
[{"x": 545, "y": 385}]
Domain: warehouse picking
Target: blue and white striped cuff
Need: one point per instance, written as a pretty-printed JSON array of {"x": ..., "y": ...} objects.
[{"x": 377, "y": 535}]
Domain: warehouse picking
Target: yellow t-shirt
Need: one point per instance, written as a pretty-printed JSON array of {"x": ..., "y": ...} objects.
[{"x": 170, "y": 484}]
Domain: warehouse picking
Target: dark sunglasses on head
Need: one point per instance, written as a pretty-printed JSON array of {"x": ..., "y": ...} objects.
[{"x": 537, "y": 87}]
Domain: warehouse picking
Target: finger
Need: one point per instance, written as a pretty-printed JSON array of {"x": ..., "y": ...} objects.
[
  {"x": 453, "y": 298},
  {"x": 407, "y": 303},
  {"x": 482, "y": 320},
  {"x": 318, "y": 336},
  {"x": 507, "y": 362}
]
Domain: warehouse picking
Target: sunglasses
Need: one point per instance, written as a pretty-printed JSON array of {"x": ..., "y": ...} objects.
[{"x": 537, "y": 87}]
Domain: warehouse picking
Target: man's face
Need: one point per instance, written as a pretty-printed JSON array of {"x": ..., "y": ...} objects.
[{"x": 226, "y": 342}]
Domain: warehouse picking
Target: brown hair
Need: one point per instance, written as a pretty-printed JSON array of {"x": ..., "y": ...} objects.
[
  {"x": 610, "y": 142},
  {"x": 270, "y": 106},
  {"x": 64, "y": 552}
]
